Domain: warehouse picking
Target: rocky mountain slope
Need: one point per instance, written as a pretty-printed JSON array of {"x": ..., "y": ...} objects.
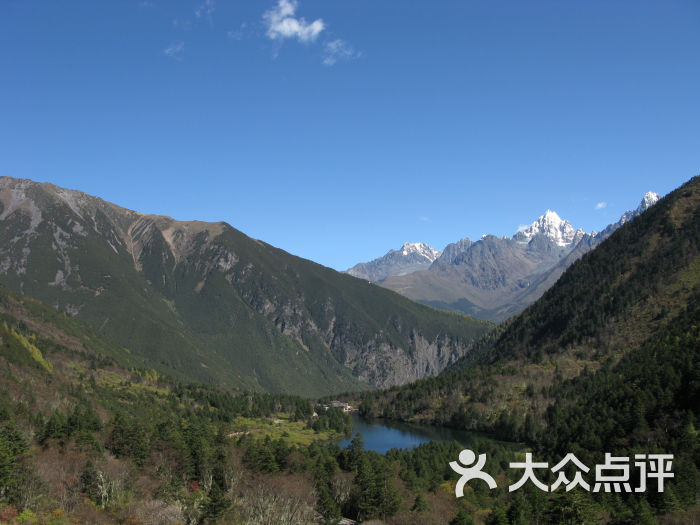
[
  {"x": 205, "y": 301},
  {"x": 495, "y": 278},
  {"x": 412, "y": 256}
]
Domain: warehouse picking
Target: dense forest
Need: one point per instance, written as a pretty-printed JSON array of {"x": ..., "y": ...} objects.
[{"x": 85, "y": 439}]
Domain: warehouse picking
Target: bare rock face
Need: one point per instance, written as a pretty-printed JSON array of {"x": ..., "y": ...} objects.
[{"x": 386, "y": 365}]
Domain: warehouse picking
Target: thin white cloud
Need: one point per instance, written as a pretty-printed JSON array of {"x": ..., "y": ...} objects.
[
  {"x": 185, "y": 25},
  {"x": 423, "y": 218},
  {"x": 338, "y": 50},
  {"x": 601, "y": 205},
  {"x": 237, "y": 34},
  {"x": 523, "y": 227},
  {"x": 174, "y": 50},
  {"x": 206, "y": 10},
  {"x": 281, "y": 23}
]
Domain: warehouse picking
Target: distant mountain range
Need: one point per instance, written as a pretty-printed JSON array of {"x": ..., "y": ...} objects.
[
  {"x": 205, "y": 302},
  {"x": 411, "y": 257},
  {"x": 492, "y": 278}
]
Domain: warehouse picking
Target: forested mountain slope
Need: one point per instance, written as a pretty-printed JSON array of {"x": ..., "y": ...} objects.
[
  {"x": 88, "y": 434},
  {"x": 204, "y": 300},
  {"x": 608, "y": 360},
  {"x": 605, "y": 305}
]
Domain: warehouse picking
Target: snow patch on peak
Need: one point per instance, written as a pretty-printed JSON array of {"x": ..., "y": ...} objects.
[
  {"x": 412, "y": 246},
  {"x": 650, "y": 198},
  {"x": 411, "y": 257},
  {"x": 552, "y": 226},
  {"x": 421, "y": 249},
  {"x": 551, "y": 216}
]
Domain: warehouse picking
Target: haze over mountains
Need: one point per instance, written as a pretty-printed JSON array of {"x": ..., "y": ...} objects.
[
  {"x": 492, "y": 278},
  {"x": 204, "y": 301}
]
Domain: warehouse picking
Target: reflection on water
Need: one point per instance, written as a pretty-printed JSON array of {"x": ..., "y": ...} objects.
[{"x": 382, "y": 435}]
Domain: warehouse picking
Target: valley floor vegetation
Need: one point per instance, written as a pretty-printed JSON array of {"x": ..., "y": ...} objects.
[{"x": 84, "y": 440}]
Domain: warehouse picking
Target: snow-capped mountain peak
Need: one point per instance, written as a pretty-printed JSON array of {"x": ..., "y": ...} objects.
[
  {"x": 411, "y": 257},
  {"x": 650, "y": 198},
  {"x": 551, "y": 226},
  {"x": 547, "y": 232},
  {"x": 421, "y": 249}
]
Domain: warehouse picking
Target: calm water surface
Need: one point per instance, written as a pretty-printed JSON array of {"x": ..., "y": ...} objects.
[{"x": 382, "y": 435}]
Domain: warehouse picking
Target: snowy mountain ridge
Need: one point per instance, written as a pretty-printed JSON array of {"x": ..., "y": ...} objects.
[
  {"x": 411, "y": 257},
  {"x": 650, "y": 198},
  {"x": 421, "y": 249},
  {"x": 556, "y": 229},
  {"x": 491, "y": 278}
]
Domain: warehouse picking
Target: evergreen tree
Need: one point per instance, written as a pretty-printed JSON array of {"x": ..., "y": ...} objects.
[
  {"x": 498, "y": 515},
  {"x": 13, "y": 446},
  {"x": 325, "y": 504},
  {"x": 419, "y": 504},
  {"x": 462, "y": 518},
  {"x": 89, "y": 482},
  {"x": 373, "y": 491}
]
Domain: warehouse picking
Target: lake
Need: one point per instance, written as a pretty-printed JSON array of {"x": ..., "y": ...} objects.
[{"x": 382, "y": 435}]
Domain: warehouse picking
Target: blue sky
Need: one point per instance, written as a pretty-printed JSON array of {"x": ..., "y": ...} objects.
[{"x": 338, "y": 129}]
